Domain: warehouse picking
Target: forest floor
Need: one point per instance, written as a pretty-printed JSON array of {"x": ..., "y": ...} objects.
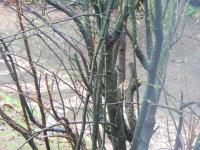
[{"x": 183, "y": 75}]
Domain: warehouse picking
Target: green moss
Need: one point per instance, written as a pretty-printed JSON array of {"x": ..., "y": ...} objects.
[
  {"x": 192, "y": 10},
  {"x": 10, "y": 100},
  {"x": 12, "y": 140}
]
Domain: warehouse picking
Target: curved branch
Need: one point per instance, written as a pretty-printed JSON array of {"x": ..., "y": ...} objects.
[{"x": 70, "y": 12}]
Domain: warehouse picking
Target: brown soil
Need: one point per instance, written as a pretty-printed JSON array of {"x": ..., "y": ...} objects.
[{"x": 183, "y": 73}]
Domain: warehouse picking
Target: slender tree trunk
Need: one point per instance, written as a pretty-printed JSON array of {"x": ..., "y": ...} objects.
[{"x": 145, "y": 123}]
